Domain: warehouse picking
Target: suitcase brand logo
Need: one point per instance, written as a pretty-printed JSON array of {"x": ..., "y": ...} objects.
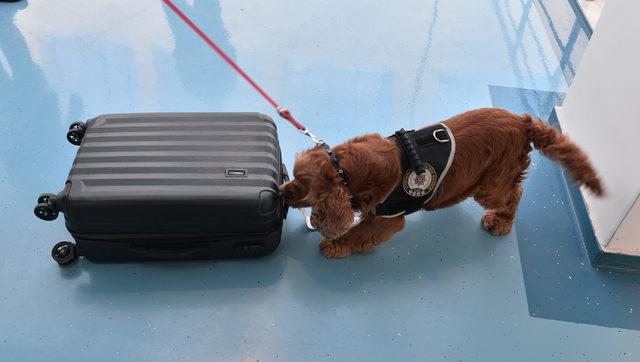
[{"x": 236, "y": 173}]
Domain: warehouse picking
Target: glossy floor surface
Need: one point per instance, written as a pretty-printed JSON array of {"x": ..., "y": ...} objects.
[{"x": 443, "y": 289}]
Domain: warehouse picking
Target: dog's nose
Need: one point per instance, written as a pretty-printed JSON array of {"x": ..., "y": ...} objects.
[
  {"x": 282, "y": 191},
  {"x": 286, "y": 195}
]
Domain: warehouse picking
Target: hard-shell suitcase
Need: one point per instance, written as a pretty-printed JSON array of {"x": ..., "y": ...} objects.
[{"x": 160, "y": 186}]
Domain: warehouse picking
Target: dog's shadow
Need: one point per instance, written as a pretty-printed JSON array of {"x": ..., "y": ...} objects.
[{"x": 432, "y": 245}]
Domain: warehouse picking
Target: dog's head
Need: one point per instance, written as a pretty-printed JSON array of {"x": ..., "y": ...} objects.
[
  {"x": 300, "y": 192},
  {"x": 373, "y": 167},
  {"x": 316, "y": 184}
]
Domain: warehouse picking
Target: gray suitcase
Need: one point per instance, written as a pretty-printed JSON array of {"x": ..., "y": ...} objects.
[{"x": 160, "y": 186}]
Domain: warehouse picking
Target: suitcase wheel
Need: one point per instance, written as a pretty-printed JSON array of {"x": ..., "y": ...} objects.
[
  {"x": 76, "y": 124},
  {"x": 44, "y": 198},
  {"x": 64, "y": 253},
  {"x": 76, "y": 133},
  {"x": 46, "y": 211}
]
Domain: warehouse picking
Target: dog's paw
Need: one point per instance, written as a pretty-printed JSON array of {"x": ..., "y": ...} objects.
[
  {"x": 496, "y": 225},
  {"x": 333, "y": 250}
]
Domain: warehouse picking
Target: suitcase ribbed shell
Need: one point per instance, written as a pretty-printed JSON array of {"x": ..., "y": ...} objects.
[{"x": 176, "y": 173}]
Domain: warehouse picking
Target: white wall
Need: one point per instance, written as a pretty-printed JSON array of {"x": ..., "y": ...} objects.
[
  {"x": 602, "y": 114},
  {"x": 592, "y": 9},
  {"x": 626, "y": 239}
]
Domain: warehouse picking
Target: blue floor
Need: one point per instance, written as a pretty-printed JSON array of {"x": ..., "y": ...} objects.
[{"x": 443, "y": 289}]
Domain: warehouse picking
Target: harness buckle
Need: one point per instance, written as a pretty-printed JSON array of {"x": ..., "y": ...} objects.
[{"x": 438, "y": 139}]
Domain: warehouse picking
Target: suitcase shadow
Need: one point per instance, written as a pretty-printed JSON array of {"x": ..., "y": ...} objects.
[{"x": 185, "y": 282}]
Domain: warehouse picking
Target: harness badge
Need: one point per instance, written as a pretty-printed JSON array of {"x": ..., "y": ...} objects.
[{"x": 419, "y": 185}]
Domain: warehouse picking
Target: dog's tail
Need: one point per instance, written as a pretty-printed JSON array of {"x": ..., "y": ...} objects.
[{"x": 559, "y": 148}]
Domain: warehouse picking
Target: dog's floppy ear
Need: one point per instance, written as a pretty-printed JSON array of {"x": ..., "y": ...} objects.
[{"x": 332, "y": 215}]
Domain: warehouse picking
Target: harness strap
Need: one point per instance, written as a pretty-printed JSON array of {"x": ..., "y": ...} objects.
[
  {"x": 411, "y": 150},
  {"x": 434, "y": 148}
]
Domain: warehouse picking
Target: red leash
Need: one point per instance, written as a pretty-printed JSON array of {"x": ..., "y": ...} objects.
[{"x": 283, "y": 112}]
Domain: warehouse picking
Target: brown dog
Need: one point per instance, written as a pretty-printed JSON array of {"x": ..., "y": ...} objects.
[{"x": 490, "y": 162}]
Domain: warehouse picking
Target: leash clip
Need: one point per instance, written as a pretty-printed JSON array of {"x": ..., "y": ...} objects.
[
  {"x": 286, "y": 114},
  {"x": 318, "y": 141}
]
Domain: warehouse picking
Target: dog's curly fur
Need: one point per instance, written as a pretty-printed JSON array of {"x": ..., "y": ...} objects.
[{"x": 491, "y": 159}]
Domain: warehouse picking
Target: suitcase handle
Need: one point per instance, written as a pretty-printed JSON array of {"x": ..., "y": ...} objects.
[
  {"x": 285, "y": 179},
  {"x": 171, "y": 249}
]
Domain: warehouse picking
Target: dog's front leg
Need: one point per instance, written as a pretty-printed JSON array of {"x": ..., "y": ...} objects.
[
  {"x": 366, "y": 235},
  {"x": 334, "y": 249}
]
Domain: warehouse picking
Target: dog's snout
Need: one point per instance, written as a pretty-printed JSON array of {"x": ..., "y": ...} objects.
[
  {"x": 282, "y": 190},
  {"x": 287, "y": 192},
  {"x": 293, "y": 194}
]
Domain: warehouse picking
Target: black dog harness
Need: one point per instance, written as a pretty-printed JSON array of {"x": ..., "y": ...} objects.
[{"x": 427, "y": 155}]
